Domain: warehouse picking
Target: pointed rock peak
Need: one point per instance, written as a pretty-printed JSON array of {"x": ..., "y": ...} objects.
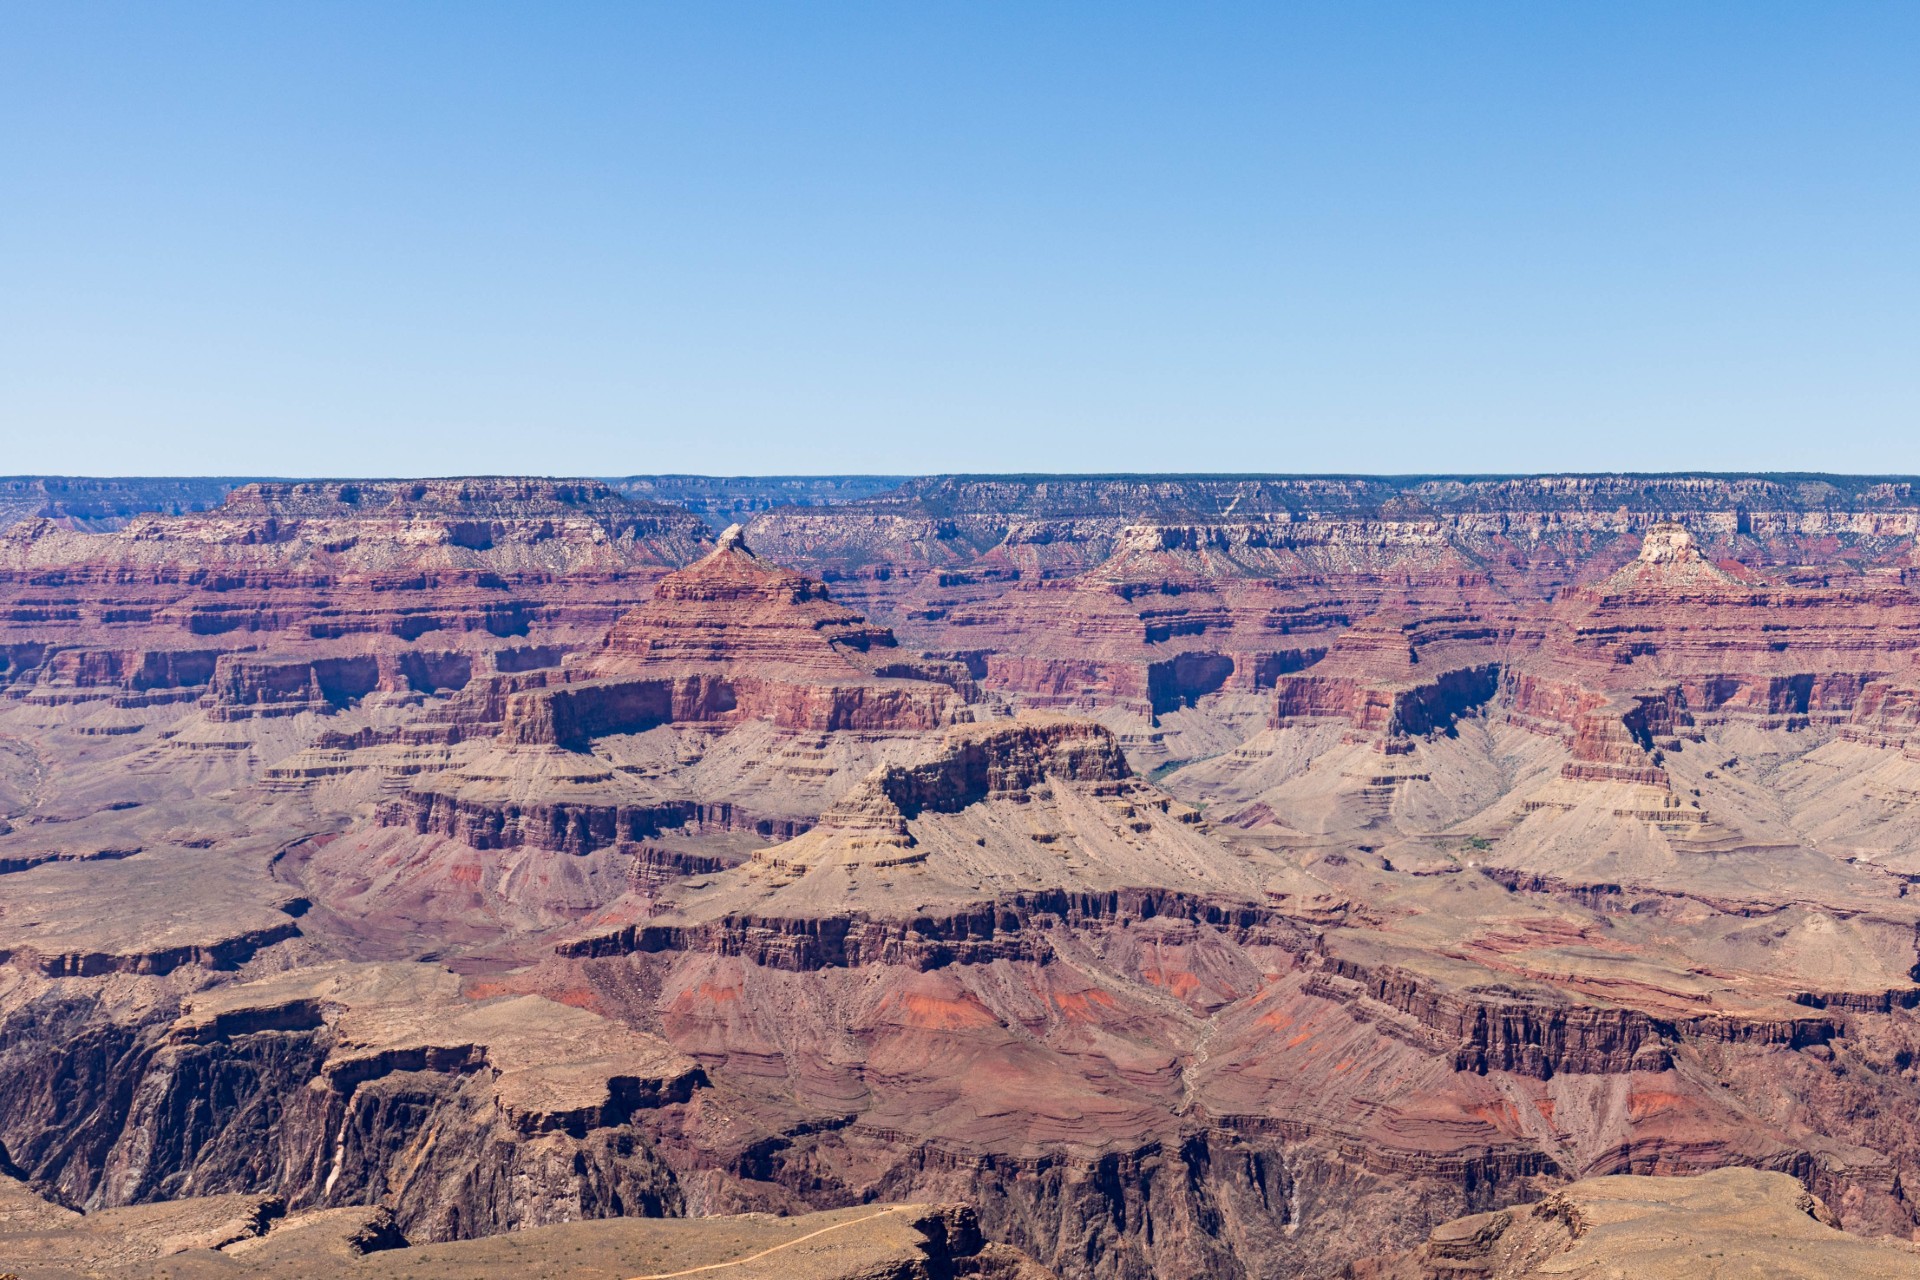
[
  {"x": 734, "y": 539},
  {"x": 1669, "y": 543}
]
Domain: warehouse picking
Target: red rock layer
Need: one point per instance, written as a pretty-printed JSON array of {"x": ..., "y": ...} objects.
[
  {"x": 732, "y": 638},
  {"x": 295, "y": 596},
  {"x": 1175, "y": 614},
  {"x": 1671, "y": 641},
  {"x": 1149, "y": 593}
]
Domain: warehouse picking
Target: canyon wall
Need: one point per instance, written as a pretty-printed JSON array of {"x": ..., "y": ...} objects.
[{"x": 1238, "y": 876}]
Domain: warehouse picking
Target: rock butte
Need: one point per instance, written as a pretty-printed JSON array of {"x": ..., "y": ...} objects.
[{"x": 1105, "y": 877}]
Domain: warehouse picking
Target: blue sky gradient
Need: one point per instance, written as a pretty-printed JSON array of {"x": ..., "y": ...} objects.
[{"x": 431, "y": 238}]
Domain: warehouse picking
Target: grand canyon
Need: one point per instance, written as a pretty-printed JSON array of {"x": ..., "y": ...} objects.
[{"x": 1093, "y": 877}]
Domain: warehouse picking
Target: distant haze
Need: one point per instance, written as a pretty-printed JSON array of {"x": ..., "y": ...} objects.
[{"x": 619, "y": 239}]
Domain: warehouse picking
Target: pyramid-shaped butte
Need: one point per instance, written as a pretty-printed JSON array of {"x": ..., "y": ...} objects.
[
  {"x": 731, "y": 638},
  {"x": 734, "y": 610},
  {"x": 1670, "y": 562}
]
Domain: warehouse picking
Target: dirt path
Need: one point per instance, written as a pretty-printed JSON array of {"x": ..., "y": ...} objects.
[{"x": 739, "y": 1262}]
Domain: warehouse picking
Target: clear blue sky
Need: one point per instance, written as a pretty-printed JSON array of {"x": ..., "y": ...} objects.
[{"x": 330, "y": 238}]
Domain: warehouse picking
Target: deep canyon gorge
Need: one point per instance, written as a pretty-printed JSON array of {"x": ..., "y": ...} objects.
[{"x": 1104, "y": 877}]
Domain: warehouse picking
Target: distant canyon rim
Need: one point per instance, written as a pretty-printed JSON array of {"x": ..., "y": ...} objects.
[{"x": 1104, "y": 877}]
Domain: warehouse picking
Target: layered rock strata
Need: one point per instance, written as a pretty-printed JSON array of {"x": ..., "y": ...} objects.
[
  {"x": 1419, "y": 854},
  {"x": 725, "y": 643},
  {"x": 309, "y": 593}
]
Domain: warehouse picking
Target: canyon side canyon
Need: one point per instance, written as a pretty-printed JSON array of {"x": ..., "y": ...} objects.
[{"x": 1091, "y": 877}]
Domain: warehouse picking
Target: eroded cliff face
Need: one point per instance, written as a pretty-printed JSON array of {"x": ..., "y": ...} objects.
[
  {"x": 728, "y": 643},
  {"x": 914, "y": 553},
  {"x": 353, "y": 1085},
  {"x": 301, "y": 595},
  {"x": 103, "y": 503},
  {"x": 1146, "y": 599},
  {"x": 1224, "y": 877}
]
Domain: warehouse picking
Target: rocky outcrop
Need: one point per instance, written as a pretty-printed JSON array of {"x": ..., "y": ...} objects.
[
  {"x": 1886, "y": 714},
  {"x": 566, "y": 827},
  {"x": 1427, "y": 707},
  {"x": 897, "y": 1241},
  {"x": 1747, "y": 1222},
  {"x": 1010, "y": 928},
  {"x": 576, "y": 714},
  {"x": 1002, "y": 760},
  {"x": 730, "y": 639},
  {"x": 1526, "y": 1034},
  {"x": 242, "y": 686},
  {"x": 349, "y": 1085}
]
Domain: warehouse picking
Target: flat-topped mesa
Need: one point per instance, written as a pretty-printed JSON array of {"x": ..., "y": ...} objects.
[
  {"x": 997, "y": 761},
  {"x": 731, "y": 638},
  {"x": 990, "y": 760},
  {"x": 445, "y": 493},
  {"x": 1038, "y": 803},
  {"x": 1612, "y": 746},
  {"x": 1395, "y": 675},
  {"x": 101, "y": 502},
  {"x": 463, "y": 495}
]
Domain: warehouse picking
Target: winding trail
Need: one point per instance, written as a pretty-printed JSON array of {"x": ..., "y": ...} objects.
[{"x": 755, "y": 1257}]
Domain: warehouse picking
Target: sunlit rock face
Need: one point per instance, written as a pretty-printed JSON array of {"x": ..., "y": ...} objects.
[
  {"x": 1668, "y": 543},
  {"x": 1160, "y": 877}
]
